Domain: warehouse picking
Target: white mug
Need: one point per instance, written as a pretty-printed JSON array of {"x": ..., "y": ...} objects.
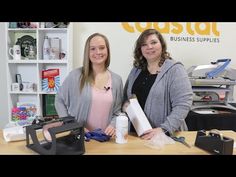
[{"x": 15, "y": 52}]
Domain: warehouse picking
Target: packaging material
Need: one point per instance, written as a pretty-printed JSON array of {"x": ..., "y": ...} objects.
[
  {"x": 159, "y": 141},
  {"x": 137, "y": 117},
  {"x": 14, "y": 133}
]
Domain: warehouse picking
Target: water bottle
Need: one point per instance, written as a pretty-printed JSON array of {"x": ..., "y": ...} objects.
[
  {"x": 122, "y": 129},
  {"x": 46, "y": 48}
]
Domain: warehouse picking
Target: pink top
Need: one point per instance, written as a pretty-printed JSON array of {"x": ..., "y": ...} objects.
[{"x": 100, "y": 107}]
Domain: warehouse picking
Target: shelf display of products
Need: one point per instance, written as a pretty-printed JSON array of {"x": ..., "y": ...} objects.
[{"x": 31, "y": 77}]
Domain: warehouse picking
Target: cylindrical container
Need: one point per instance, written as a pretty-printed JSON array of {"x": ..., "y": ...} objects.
[
  {"x": 46, "y": 48},
  {"x": 122, "y": 129},
  {"x": 42, "y": 25}
]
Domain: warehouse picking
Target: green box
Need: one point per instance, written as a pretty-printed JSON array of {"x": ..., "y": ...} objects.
[{"x": 49, "y": 105}]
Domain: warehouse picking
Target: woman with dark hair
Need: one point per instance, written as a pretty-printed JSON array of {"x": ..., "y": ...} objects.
[
  {"x": 160, "y": 84},
  {"x": 93, "y": 93}
]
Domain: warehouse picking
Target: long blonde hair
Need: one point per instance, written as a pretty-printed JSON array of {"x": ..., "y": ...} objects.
[{"x": 87, "y": 71}]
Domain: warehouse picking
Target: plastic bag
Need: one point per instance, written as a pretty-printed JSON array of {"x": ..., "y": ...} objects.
[
  {"x": 14, "y": 132},
  {"x": 159, "y": 141}
]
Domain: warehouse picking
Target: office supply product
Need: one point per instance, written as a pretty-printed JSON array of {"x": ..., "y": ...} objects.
[
  {"x": 214, "y": 142},
  {"x": 181, "y": 139},
  {"x": 213, "y": 98},
  {"x": 213, "y": 85},
  {"x": 72, "y": 143}
]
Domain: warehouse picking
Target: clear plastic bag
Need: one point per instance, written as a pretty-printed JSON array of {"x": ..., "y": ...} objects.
[
  {"x": 159, "y": 141},
  {"x": 14, "y": 132}
]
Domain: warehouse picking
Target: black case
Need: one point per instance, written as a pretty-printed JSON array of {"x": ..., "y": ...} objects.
[{"x": 214, "y": 143}]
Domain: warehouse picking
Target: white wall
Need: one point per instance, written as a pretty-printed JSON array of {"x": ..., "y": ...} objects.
[
  {"x": 190, "y": 53},
  {"x": 3, "y": 82}
]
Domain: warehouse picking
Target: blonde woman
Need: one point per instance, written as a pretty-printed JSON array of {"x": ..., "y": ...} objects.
[{"x": 92, "y": 93}]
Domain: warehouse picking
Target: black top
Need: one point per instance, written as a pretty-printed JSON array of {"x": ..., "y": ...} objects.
[{"x": 142, "y": 86}]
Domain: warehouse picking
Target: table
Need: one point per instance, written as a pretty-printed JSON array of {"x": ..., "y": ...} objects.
[{"x": 135, "y": 146}]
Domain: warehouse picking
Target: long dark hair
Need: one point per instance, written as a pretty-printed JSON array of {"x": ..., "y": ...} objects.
[
  {"x": 139, "y": 60},
  {"x": 87, "y": 71}
]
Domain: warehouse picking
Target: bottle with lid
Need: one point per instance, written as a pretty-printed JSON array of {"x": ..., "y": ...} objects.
[
  {"x": 122, "y": 128},
  {"x": 46, "y": 48}
]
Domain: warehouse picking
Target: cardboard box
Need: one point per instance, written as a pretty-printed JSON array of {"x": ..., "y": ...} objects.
[
  {"x": 137, "y": 117},
  {"x": 51, "y": 80},
  {"x": 49, "y": 105}
]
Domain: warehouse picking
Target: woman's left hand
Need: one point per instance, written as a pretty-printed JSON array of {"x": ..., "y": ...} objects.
[
  {"x": 110, "y": 130},
  {"x": 149, "y": 134}
]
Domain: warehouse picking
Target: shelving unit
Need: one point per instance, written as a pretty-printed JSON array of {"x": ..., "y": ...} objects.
[{"x": 31, "y": 69}]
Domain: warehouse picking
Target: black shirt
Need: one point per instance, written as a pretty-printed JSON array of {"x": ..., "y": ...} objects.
[{"x": 142, "y": 86}]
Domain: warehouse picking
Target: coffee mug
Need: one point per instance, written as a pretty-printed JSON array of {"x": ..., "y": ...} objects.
[{"x": 15, "y": 52}]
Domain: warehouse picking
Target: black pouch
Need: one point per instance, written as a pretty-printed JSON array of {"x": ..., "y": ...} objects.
[{"x": 214, "y": 142}]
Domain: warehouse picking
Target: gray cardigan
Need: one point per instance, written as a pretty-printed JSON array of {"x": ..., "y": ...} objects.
[
  {"x": 69, "y": 100},
  {"x": 169, "y": 99}
]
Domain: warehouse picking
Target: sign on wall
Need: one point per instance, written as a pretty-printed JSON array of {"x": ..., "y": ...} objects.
[{"x": 187, "y": 32}]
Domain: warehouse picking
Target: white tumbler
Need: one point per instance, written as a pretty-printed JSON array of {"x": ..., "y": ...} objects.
[{"x": 122, "y": 129}]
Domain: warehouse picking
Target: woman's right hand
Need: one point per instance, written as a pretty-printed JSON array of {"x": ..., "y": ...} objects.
[
  {"x": 110, "y": 130},
  {"x": 149, "y": 134}
]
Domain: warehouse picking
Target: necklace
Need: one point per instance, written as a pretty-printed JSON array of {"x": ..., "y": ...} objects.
[{"x": 153, "y": 70}]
